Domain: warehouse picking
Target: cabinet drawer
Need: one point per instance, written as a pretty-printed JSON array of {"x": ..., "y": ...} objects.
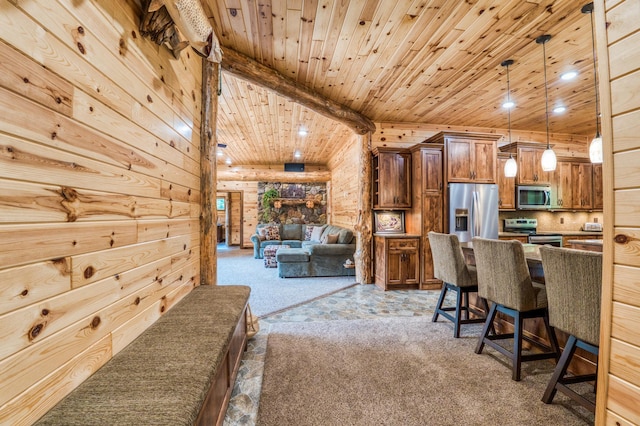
[{"x": 403, "y": 244}]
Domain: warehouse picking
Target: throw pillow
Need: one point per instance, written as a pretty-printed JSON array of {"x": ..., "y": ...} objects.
[
  {"x": 272, "y": 233},
  {"x": 316, "y": 233},
  {"x": 330, "y": 239},
  {"x": 307, "y": 232}
]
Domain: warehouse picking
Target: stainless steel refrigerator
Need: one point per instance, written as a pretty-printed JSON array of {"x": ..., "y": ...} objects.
[{"x": 473, "y": 210}]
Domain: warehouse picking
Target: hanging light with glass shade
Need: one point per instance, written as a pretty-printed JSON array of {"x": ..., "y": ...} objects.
[
  {"x": 510, "y": 167},
  {"x": 595, "y": 148},
  {"x": 548, "y": 161}
]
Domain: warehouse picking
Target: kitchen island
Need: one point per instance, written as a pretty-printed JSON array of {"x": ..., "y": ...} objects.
[{"x": 590, "y": 245}]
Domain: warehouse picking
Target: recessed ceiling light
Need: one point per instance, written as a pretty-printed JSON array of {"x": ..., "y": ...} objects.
[
  {"x": 508, "y": 104},
  {"x": 303, "y": 132},
  {"x": 559, "y": 109},
  {"x": 220, "y": 153},
  {"x": 228, "y": 161},
  {"x": 569, "y": 75},
  {"x": 297, "y": 154}
]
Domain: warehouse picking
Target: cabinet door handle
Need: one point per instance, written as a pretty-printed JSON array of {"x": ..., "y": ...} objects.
[{"x": 440, "y": 186}]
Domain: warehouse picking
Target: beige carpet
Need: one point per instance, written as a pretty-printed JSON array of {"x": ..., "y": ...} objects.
[
  {"x": 398, "y": 371},
  {"x": 269, "y": 293}
]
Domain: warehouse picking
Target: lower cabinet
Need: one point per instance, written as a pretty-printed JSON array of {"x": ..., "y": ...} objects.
[{"x": 397, "y": 261}]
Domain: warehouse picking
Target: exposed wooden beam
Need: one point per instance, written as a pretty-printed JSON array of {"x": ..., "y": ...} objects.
[
  {"x": 208, "y": 142},
  {"x": 245, "y": 68}
]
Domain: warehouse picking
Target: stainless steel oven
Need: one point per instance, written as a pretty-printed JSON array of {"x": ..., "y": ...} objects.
[{"x": 546, "y": 239}]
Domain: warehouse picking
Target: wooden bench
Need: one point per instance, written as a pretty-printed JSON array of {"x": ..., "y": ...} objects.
[{"x": 180, "y": 371}]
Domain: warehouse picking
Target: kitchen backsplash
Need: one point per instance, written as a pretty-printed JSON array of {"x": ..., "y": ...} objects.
[{"x": 554, "y": 221}]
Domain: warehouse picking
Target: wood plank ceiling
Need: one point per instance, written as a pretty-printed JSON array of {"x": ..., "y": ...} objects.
[{"x": 414, "y": 61}]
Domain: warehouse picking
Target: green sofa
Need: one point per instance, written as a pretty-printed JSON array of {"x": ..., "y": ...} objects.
[{"x": 309, "y": 258}]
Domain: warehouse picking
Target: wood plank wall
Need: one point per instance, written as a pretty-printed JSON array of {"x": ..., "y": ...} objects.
[
  {"x": 618, "y": 38},
  {"x": 344, "y": 166},
  {"x": 99, "y": 192}
]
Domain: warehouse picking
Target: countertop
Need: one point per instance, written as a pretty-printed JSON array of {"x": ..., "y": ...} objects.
[{"x": 563, "y": 233}]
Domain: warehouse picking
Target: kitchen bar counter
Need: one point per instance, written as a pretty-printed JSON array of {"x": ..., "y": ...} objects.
[{"x": 590, "y": 245}]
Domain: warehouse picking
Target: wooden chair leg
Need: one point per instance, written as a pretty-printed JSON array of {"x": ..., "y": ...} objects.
[
  {"x": 456, "y": 325},
  {"x": 560, "y": 370},
  {"x": 436, "y": 312},
  {"x": 488, "y": 326},
  {"x": 465, "y": 299},
  {"x": 553, "y": 340},
  {"x": 518, "y": 322}
]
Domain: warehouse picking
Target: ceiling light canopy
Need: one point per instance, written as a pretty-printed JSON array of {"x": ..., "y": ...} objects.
[
  {"x": 548, "y": 161},
  {"x": 595, "y": 148},
  {"x": 510, "y": 167}
]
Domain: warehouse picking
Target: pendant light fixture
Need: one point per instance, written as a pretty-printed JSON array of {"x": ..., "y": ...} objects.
[
  {"x": 548, "y": 161},
  {"x": 595, "y": 148},
  {"x": 510, "y": 167}
]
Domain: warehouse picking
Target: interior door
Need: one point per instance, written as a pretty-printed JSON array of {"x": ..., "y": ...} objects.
[{"x": 234, "y": 218}]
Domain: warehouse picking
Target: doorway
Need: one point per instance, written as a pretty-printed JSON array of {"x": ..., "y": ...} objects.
[{"x": 230, "y": 217}]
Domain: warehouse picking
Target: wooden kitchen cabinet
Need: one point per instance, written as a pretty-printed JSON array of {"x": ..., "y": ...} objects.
[
  {"x": 561, "y": 191},
  {"x": 391, "y": 183},
  {"x": 506, "y": 186},
  {"x": 528, "y": 156},
  {"x": 397, "y": 261},
  {"x": 470, "y": 160},
  {"x": 597, "y": 187},
  {"x": 427, "y": 207},
  {"x": 470, "y": 157},
  {"x": 582, "y": 186}
]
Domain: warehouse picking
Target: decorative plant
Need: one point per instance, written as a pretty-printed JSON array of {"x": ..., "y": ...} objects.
[{"x": 267, "y": 199}]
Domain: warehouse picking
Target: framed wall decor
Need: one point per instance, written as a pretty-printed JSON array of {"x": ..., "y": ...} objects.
[{"x": 389, "y": 222}]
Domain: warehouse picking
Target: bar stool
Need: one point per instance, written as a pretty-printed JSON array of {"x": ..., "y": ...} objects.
[
  {"x": 573, "y": 280},
  {"x": 450, "y": 267},
  {"x": 503, "y": 278}
]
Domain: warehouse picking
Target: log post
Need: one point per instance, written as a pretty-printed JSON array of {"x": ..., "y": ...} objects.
[
  {"x": 208, "y": 143},
  {"x": 362, "y": 256}
]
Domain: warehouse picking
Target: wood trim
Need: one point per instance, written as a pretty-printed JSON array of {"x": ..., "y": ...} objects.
[
  {"x": 606, "y": 314},
  {"x": 245, "y": 68},
  {"x": 208, "y": 142}
]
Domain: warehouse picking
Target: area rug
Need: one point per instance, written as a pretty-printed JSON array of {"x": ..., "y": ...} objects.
[
  {"x": 269, "y": 293},
  {"x": 398, "y": 371}
]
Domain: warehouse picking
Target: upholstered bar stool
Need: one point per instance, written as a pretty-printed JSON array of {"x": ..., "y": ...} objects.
[
  {"x": 573, "y": 280},
  {"x": 503, "y": 278},
  {"x": 450, "y": 267}
]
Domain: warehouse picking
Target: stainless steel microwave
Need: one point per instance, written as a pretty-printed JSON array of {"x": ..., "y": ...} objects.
[{"x": 533, "y": 197}]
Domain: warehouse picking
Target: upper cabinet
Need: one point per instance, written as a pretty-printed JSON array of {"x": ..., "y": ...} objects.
[
  {"x": 576, "y": 184},
  {"x": 529, "y": 169},
  {"x": 597, "y": 187},
  {"x": 470, "y": 157},
  {"x": 391, "y": 182},
  {"x": 506, "y": 186},
  {"x": 582, "y": 186},
  {"x": 561, "y": 192}
]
